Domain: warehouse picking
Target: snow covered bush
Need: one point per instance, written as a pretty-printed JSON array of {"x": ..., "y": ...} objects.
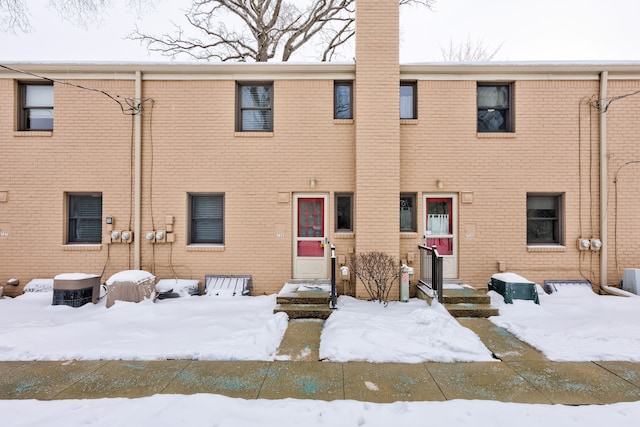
[{"x": 378, "y": 272}]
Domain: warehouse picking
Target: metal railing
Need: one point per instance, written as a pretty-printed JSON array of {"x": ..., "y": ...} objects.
[
  {"x": 431, "y": 270},
  {"x": 333, "y": 295}
]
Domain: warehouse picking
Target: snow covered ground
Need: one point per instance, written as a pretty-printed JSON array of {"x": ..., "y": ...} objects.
[
  {"x": 204, "y": 328},
  {"x": 575, "y": 324},
  {"x": 410, "y": 332},
  {"x": 571, "y": 324},
  {"x": 213, "y": 410}
]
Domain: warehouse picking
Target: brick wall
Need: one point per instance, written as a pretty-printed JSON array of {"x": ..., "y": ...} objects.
[
  {"x": 498, "y": 170},
  {"x": 623, "y": 167},
  {"x": 88, "y": 151}
]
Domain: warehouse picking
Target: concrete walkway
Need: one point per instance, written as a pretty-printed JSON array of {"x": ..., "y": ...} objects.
[{"x": 519, "y": 374}]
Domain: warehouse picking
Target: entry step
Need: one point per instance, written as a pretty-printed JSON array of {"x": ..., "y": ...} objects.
[{"x": 304, "y": 311}]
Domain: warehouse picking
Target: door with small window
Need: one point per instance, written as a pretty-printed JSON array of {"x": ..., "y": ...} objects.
[
  {"x": 440, "y": 230},
  {"x": 310, "y": 252}
]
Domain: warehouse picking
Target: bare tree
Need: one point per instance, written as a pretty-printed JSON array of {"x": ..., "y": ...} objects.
[
  {"x": 259, "y": 30},
  {"x": 14, "y": 14},
  {"x": 469, "y": 51},
  {"x": 378, "y": 272}
]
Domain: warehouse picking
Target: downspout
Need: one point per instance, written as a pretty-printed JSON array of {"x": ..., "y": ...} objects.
[
  {"x": 604, "y": 191},
  {"x": 137, "y": 180}
]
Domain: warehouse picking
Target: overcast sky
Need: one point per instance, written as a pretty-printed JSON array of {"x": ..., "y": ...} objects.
[{"x": 526, "y": 30}]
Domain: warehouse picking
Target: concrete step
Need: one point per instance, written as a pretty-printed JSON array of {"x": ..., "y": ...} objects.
[
  {"x": 303, "y": 298},
  {"x": 463, "y": 302},
  {"x": 305, "y": 311},
  {"x": 471, "y": 310},
  {"x": 465, "y": 296}
]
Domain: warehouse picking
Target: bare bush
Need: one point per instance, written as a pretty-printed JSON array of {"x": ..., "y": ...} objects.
[{"x": 378, "y": 272}]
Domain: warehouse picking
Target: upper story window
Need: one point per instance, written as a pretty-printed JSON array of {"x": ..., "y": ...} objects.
[
  {"x": 545, "y": 223},
  {"x": 36, "y": 107},
  {"x": 206, "y": 218},
  {"x": 408, "y": 100},
  {"x": 343, "y": 100},
  {"x": 495, "y": 107},
  {"x": 254, "y": 107},
  {"x": 84, "y": 220},
  {"x": 344, "y": 212},
  {"x": 408, "y": 212}
]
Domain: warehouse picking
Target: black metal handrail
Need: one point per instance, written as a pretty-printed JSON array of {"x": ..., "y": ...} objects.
[
  {"x": 431, "y": 270},
  {"x": 333, "y": 296}
]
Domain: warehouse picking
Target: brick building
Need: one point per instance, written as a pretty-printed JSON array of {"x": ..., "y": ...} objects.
[{"x": 251, "y": 168}]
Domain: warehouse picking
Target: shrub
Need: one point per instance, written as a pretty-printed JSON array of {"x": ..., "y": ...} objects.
[{"x": 378, "y": 272}]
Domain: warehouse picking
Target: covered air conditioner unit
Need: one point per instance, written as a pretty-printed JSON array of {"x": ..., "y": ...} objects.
[
  {"x": 75, "y": 289},
  {"x": 631, "y": 280}
]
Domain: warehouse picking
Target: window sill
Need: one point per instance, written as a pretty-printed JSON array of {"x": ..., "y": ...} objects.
[
  {"x": 82, "y": 247},
  {"x": 205, "y": 248},
  {"x": 408, "y": 235},
  {"x": 496, "y": 135},
  {"x": 39, "y": 134},
  {"x": 546, "y": 248},
  {"x": 342, "y": 121},
  {"x": 344, "y": 235},
  {"x": 253, "y": 134},
  {"x": 408, "y": 121}
]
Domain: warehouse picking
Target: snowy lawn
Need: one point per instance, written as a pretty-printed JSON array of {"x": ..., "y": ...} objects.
[
  {"x": 572, "y": 324},
  {"x": 205, "y": 328},
  {"x": 224, "y": 328},
  {"x": 575, "y": 324},
  {"x": 410, "y": 332}
]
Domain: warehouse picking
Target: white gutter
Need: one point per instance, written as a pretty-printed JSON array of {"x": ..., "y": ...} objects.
[
  {"x": 604, "y": 77},
  {"x": 137, "y": 180}
]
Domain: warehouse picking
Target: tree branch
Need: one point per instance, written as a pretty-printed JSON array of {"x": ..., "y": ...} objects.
[{"x": 267, "y": 28}]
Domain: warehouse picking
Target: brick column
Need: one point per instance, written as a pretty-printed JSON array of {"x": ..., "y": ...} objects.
[{"x": 377, "y": 117}]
